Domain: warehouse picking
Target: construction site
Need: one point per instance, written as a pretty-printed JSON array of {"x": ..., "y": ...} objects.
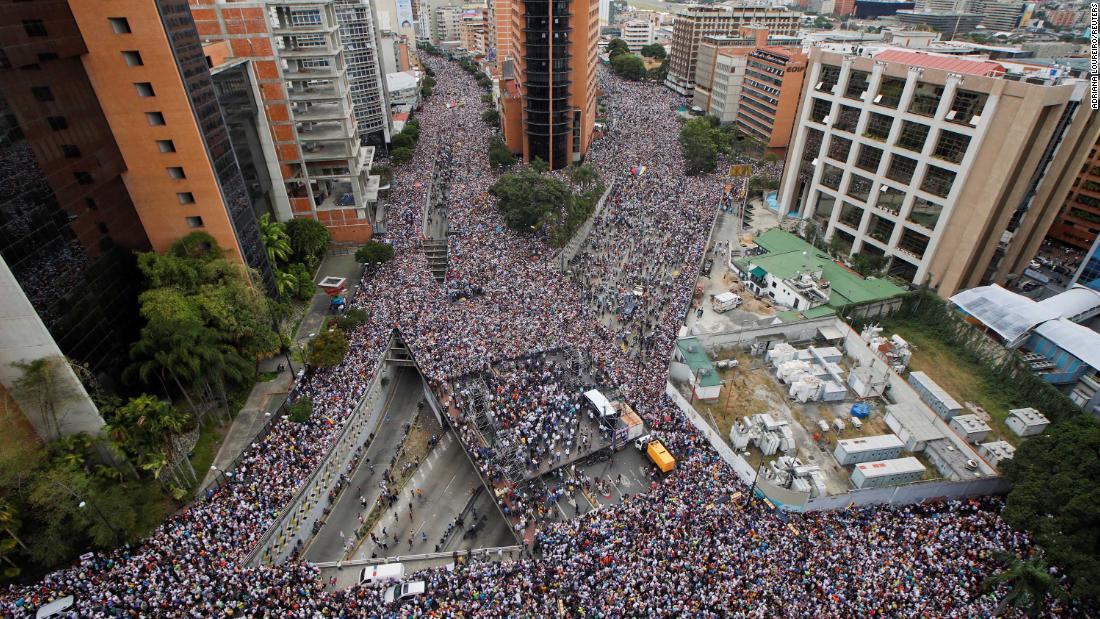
[{"x": 818, "y": 411}]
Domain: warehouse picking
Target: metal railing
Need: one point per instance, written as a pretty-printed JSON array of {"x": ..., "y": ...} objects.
[
  {"x": 517, "y": 551},
  {"x": 581, "y": 235}
]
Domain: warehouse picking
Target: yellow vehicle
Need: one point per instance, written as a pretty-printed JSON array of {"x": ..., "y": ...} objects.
[{"x": 660, "y": 456}]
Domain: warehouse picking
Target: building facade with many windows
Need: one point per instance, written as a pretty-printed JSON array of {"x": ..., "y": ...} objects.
[
  {"x": 360, "y": 39},
  {"x": 949, "y": 169},
  {"x": 1078, "y": 224},
  {"x": 695, "y": 22}
]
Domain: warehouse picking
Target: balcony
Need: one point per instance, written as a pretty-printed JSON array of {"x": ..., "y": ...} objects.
[
  {"x": 819, "y": 110},
  {"x": 297, "y": 74},
  {"x": 926, "y": 99},
  {"x": 869, "y": 158},
  {"x": 851, "y": 215},
  {"x": 889, "y": 92},
  {"x": 309, "y": 51},
  {"x": 925, "y": 213},
  {"x": 913, "y": 136},
  {"x": 847, "y": 119},
  {"x": 316, "y": 93},
  {"x": 913, "y": 243},
  {"x": 878, "y": 127},
  {"x": 889, "y": 200},
  {"x": 951, "y": 146},
  {"x": 901, "y": 169},
  {"x": 830, "y": 177},
  {"x": 322, "y": 151},
  {"x": 857, "y": 85},
  {"x": 859, "y": 187},
  {"x": 880, "y": 229},
  {"x": 938, "y": 181},
  {"x": 319, "y": 112},
  {"x": 830, "y": 75},
  {"x": 839, "y": 147},
  {"x": 324, "y": 132},
  {"x": 966, "y": 108}
]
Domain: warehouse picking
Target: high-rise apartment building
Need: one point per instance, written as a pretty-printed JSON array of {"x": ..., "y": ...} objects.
[
  {"x": 299, "y": 59},
  {"x": 549, "y": 106},
  {"x": 360, "y": 38},
  {"x": 473, "y": 29},
  {"x": 950, "y": 169},
  {"x": 605, "y": 13},
  {"x": 1078, "y": 223},
  {"x": 114, "y": 142},
  {"x": 769, "y": 97},
  {"x": 1000, "y": 14},
  {"x": 637, "y": 34},
  {"x": 695, "y": 22}
]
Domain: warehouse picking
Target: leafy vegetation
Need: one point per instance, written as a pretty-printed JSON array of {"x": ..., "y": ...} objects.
[
  {"x": 655, "y": 51},
  {"x": 374, "y": 252},
  {"x": 300, "y": 411},
  {"x": 308, "y": 240},
  {"x": 699, "y": 142},
  {"x": 615, "y": 47},
  {"x": 401, "y": 156},
  {"x": 491, "y": 117},
  {"x": 499, "y": 155},
  {"x": 628, "y": 67},
  {"x": 327, "y": 350},
  {"x": 532, "y": 202}
]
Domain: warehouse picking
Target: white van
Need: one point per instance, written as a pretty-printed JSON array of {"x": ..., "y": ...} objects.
[
  {"x": 404, "y": 590},
  {"x": 725, "y": 301},
  {"x": 381, "y": 573}
]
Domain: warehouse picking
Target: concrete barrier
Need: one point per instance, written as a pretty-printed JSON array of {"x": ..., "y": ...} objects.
[{"x": 581, "y": 235}]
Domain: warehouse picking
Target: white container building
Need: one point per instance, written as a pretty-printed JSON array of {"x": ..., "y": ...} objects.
[
  {"x": 996, "y": 452},
  {"x": 868, "y": 449},
  {"x": 935, "y": 396},
  {"x": 882, "y": 473},
  {"x": 970, "y": 427},
  {"x": 913, "y": 427},
  {"x": 1026, "y": 421}
]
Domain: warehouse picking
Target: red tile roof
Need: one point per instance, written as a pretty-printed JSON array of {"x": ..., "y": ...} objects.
[
  {"x": 401, "y": 116},
  {"x": 944, "y": 63}
]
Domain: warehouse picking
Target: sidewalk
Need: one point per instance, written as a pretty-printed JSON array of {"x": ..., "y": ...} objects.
[{"x": 266, "y": 397}]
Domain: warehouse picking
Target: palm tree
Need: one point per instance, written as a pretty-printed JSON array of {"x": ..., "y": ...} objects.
[
  {"x": 585, "y": 175},
  {"x": 1029, "y": 582},
  {"x": 285, "y": 282},
  {"x": 275, "y": 239}
]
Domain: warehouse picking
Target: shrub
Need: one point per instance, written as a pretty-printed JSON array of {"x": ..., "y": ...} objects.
[
  {"x": 300, "y": 411},
  {"x": 401, "y": 156}
]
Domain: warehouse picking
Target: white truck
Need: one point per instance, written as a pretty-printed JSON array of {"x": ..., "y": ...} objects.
[
  {"x": 382, "y": 573},
  {"x": 724, "y": 302},
  {"x": 404, "y": 590}
]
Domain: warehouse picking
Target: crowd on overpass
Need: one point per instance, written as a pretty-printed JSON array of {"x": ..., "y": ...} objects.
[{"x": 696, "y": 544}]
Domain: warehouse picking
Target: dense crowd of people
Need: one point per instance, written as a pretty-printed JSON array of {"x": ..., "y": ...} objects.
[{"x": 696, "y": 544}]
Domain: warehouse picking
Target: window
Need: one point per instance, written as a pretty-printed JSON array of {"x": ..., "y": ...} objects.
[
  {"x": 847, "y": 119},
  {"x": 57, "y": 123},
  {"x": 132, "y": 58},
  {"x": 869, "y": 158},
  {"x": 857, "y": 84},
  {"x": 47, "y": 56},
  {"x": 851, "y": 215},
  {"x": 83, "y": 178},
  {"x": 34, "y": 27},
  {"x": 859, "y": 187},
  {"x": 166, "y": 146},
  {"x": 120, "y": 25},
  {"x": 42, "y": 93},
  {"x": 889, "y": 92},
  {"x": 938, "y": 181},
  {"x": 878, "y": 126},
  {"x": 71, "y": 151},
  {"x": 913, "y": 136},
  {"x": 967, "y": 107},
  {"x": 830, "y": 176},
  {"x": 839, "y": 148},
  {"x": 830, "y": 75},
  {"x": 824, "y": 209},
  {"x": 155, "y": 118},
  {"x": 913, "y": 243},
  {"x": 819, "y": 110},
  {"x": 144, "y": 89},
  {"x": 901, "y": 169},
  {"x": 176, "y": 173},
  {"x": 91, "y": 204},
  {"x": 185, "y": 197},
  {"x": 926, "y": 98},
  {"x": 890, "y": 199},
  {"x": 951, "y": 146},
  {"x": 880, "y": 229},
  {"x": 194, "y": 222}
]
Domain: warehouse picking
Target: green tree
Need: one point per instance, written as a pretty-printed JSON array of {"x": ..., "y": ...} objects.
[
  {"x": 868, "y": 265},
  {"x": 584, "y": 175},
  {"x": 401, "y": 156},
  {"x": 402, "y": 140},
  {"x": 425, "y": 91},
  {"x": 1054, "y": 498},
  {"x": 528, "y": 199},
  {"x": 429, "y": 82},
  {"x": 655, "y": 51},
  {"x": 491, "y": 117},
  {"x": 145, "y": 425},
  {"x": 327, "y": 350},
  {"x": 822, "y": 23},
  {"x": 45, "y": 391},
  {"x": 1029, "y": 584},
  {"x": 615, "y": 47},
  {"x": 384, "y": 171},
  {"x": 304, "y": 288},
  {"x": 350, "y": 319},
  {"x": 374, "y": 252},
  {"x": 699, "y": 147},
  {"x": 275, "y": 239},
  {"x": 499, "y": 155},
  {"x": 538, "y": 166},
  {"x": 309, "y": 238},
  {"x": 628, "y": 67},
  {"x": 659, "y": 74},
  {"x": 300, "y": 411}
]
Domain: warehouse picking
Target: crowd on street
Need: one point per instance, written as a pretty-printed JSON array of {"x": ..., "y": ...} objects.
[{"x": 696, "y": 544}]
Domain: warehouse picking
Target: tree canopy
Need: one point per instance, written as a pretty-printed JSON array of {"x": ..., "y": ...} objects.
[
  {"x": 309, "y": 238},
  {"x": 327, "y": 349},
  {"x": 499, "y": 155},
  {"x": 655, "y": 51},
  {"x": 374, "y": 252},
  {"x": 629, "y": 67},
  {"x": 1054, "y": 497},
  {"x": 401, "y": 156},
  {"x": 527, "y": 199},
  {"x": 617, "y": 46},
  {"x": 699, "y": 141}
]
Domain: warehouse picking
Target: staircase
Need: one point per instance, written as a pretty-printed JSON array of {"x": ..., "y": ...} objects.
[{"x": 436, "y": 251}]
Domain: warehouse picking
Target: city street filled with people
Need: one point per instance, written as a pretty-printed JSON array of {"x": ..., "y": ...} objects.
[{"x": 695, "y": 544}]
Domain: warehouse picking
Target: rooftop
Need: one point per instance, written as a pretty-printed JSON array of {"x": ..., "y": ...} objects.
[
  {"x": 695, "y": 356},
  {"x": 1029, "y": 415},
  {"x": 918, "y": 424},
  {"x": 787, "y": 255},
  {"x": 1012, "y": 315},
  {"x": 1078, "y": 340},
  {"x": 868, "y": 443},
  {"x": 880, "y": 468},
  {"x": 971, "y": 423},
  {"x": 942, "y": 62}
]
